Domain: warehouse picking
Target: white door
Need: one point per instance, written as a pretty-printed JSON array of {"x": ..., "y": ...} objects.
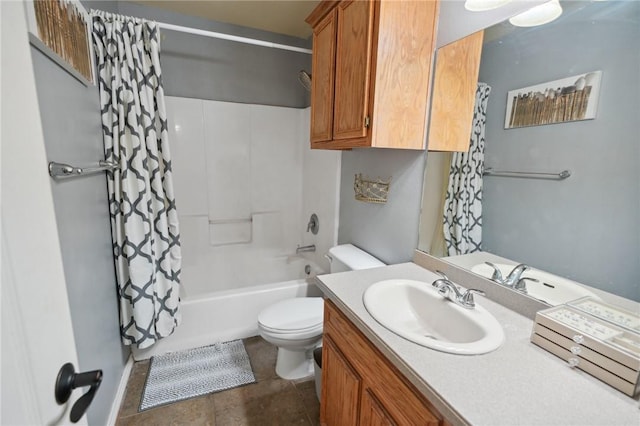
[{"x": 37, "y": 338}]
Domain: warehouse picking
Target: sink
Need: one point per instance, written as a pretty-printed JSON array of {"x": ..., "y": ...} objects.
[
  {"x": 416, "y": 311},
  {"x": 551, "y": 289}
]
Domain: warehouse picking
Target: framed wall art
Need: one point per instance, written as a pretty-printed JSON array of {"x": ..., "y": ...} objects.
[
  {"x": 61, "y": 29},
  {"x": 569, "y": 99}
]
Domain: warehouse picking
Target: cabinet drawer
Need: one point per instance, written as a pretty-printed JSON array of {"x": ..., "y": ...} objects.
[{"x": 630, "y": 389}]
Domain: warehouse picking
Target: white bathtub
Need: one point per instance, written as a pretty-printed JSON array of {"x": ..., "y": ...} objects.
[{"x": 228, "y": 315}]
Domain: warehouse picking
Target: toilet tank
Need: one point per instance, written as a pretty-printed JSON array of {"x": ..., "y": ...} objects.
[{"x": 347, "y": 257}]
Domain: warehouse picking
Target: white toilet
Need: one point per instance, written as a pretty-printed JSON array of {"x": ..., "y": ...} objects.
[{"x": 295, "y": 325}]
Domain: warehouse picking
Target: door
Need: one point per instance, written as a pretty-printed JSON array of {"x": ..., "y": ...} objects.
[
  {"x": 353, "y": 69},
  {"x": 372, "y": 413},
  {"x": 37, "y": 336}
]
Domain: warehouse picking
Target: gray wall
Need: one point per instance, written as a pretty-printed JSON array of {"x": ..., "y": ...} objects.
[
  {"x": 388, "y": 231},
  {"x": 455, "y": 22},
  {"x": 586, "y": 227},
  {"x": 207, "y": 68},
  {"x": 72, "y": 131}
]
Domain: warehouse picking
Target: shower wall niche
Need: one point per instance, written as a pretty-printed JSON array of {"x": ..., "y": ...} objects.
[{"x": 246, "y": 183}]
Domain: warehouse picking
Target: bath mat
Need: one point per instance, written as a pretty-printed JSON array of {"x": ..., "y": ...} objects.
[{"x": 177, "y": 376}]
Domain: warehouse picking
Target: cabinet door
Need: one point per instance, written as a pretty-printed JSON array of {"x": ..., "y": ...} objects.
[
  {"x": 353, "y": 68},
  {"x": 340, "y": 388},
  {"x": 322, "y": 81},
  {"x": 372, "y": 413},
  {"x": 454, "y": 94}
]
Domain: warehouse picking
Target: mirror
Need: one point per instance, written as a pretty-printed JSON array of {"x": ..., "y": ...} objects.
[{"x": 587, "y": 227}]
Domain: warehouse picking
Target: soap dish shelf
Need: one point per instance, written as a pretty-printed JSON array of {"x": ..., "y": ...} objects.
[{"x": 371, "y": 191}]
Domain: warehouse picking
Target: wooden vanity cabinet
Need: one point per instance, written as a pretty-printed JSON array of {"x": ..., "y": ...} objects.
[
  {"x": 360, "y": 386},
  {"x": 371, "y": 73}
]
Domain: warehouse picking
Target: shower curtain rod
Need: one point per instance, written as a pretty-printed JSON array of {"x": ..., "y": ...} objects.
[{"x": 238, "y": 39}]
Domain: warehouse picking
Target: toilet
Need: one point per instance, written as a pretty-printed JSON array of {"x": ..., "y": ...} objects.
[{"x": 295, "y": 325}]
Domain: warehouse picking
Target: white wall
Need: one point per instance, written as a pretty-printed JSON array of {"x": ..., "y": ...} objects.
[
  {"x": 37, "y": 337},
  {"x": 320, "y": 194},
  {"x": 246, "y": 184}
]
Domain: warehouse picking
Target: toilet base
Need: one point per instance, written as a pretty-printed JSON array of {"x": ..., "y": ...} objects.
[{"x": 294, "y": 365}]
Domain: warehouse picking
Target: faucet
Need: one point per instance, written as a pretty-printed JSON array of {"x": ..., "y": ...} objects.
[
  {"x": 497, "y": 274},
  {"x": 445, "y": 287},
  {"x": 305, "y": 249},
  {"x": 514, "y": 279},
  {"x": 515, "y": 275},
  {"x": 314, "y": 224},
  {"x": 521, "y": 285}
]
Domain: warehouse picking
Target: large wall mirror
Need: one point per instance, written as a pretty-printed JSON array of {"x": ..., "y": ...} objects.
[{"x": 585, "y": 228}]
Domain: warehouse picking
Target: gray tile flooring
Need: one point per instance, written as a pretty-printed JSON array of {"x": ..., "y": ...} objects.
[{"x": 269, "y": 401}]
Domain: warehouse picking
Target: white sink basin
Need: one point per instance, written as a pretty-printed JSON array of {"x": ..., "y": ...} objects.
[
  {"x": 416, "y": 311},
  {"x": 551, "y": 289}
]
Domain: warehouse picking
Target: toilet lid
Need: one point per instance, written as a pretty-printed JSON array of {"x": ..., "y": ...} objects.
[{"x": 293, "y": 314}]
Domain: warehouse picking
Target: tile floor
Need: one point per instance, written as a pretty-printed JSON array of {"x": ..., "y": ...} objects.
[{"x": 269, "y": 401}]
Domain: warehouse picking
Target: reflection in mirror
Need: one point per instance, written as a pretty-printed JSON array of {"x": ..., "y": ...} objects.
[{"x": 585, "y": 228}]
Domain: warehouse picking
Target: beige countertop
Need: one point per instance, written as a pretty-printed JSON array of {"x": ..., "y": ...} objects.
[{"x": 518, "y": 384}]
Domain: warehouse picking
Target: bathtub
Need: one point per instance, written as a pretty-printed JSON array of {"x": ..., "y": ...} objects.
[{"x": 230, "y": 314}]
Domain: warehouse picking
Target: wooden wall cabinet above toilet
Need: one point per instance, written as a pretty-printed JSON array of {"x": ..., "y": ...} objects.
[{"x": 371, "y": 73}]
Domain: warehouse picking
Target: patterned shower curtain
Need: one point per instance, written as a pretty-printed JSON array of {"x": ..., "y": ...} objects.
[
  {"x": 463, "y": 204},
  {"x": 144, "y": 220}
]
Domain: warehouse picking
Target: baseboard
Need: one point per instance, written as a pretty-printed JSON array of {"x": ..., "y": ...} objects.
[{"x": 117, "y": 400}]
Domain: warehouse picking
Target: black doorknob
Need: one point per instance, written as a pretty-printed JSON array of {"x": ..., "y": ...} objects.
[{"x": 68, "y": 380}]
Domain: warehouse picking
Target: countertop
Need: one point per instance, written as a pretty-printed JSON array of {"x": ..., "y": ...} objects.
[{"x": 517, "y": 384}]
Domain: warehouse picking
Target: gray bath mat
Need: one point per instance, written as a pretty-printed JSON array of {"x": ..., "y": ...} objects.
[{"x": 177, "y": 376}]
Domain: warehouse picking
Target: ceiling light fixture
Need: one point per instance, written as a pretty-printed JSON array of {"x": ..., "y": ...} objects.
[
  {"x": 539, "y": 15},
  {"x": 482, "y": 5}
]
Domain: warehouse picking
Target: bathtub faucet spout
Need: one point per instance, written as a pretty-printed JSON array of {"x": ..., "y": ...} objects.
[{"x": 305, "y": 249}]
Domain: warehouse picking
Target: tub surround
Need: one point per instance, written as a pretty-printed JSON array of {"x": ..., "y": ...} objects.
[{"x": 519, "y": 383}]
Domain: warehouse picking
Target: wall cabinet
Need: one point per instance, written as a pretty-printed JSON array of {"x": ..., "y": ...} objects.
[
  {"x": 359, "y": 385},
  {"x": 454, "y": 94},
  {"x": 371, "y": 73}
]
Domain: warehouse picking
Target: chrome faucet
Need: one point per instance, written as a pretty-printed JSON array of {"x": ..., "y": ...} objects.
[
  {"x": 445, "y": 287},
  {"x": 514, "y": 279},
  {"x": 305, "y": 249},
  {"x": 515, "y": 275},
  {"x": 314, "y": 224},
  {"x": 497, "y": 275},
  {"x": 521, "y": 285}
]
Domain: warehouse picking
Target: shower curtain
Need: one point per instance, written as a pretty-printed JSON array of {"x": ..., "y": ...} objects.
[
  {"x": 144, "y": 220},
  {"x": 463, "y": 203}
]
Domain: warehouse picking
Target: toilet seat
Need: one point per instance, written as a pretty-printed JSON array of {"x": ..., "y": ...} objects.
[
  {"x": 313, "y": 329},
  {"x": 302, "y": 315}
]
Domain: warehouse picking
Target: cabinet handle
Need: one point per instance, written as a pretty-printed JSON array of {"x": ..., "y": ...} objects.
[{"x": 367, "y": 122}]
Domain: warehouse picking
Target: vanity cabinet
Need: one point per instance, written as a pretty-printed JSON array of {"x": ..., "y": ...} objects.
[
  {"x": 371, "y": 73},
  {"x": 359, "y": 385}
]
